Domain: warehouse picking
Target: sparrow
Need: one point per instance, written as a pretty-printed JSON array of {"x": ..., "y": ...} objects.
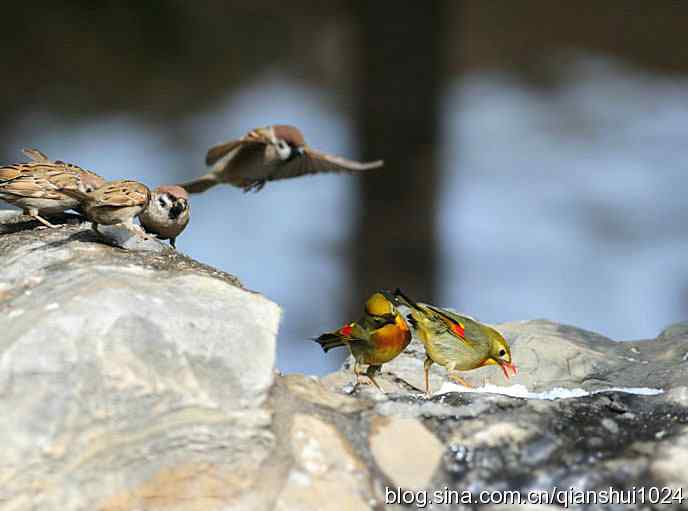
[
  {"x": 456, "y": 342},
  {"x": 113, "y": 203},
  {"x": 267, "y": 154},
  {"x": 376, "y": 338},
  {"x": 167, "y": 213},
  {"x": 34, "y": 186}
]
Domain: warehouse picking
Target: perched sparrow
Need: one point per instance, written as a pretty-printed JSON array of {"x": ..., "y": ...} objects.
[
  {"x": 167, "y": 213},
  {"x": 116, "y": 202},
  {"x": 376, "y": 338},
  {"x": 456, "y": 342},
  {"x": 34, "y": 186},
  {"x": 267, "y": 154}
]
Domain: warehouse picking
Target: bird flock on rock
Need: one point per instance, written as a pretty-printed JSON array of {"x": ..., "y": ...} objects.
[{"x": 42, "y": 187}]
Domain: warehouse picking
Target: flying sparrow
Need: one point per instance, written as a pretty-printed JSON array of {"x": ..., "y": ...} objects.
[
  {"x": 267, "y": 154},
  {"x": 34, "y": 186},
  {"x": 113, "y": 203},
  {"x": 167, "y": 213}
]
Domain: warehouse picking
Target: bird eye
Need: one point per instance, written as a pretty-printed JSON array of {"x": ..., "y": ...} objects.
[
  {"x": 283, "y": 150},
  {"x": 502, "y": 352}
]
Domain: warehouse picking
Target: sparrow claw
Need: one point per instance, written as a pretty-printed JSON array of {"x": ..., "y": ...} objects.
[{"x": 254, "y": 186}]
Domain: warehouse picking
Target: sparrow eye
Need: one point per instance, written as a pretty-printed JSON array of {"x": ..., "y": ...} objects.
[{"x": 283, "y": 150}]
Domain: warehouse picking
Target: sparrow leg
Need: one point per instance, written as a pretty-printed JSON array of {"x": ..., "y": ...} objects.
[
  {"x": 94, "y": 226},
  {"x": 33, "y": 213},
  {"x": 426, "y": 368},
  {"x": 173, "y": 243},
  {"x": 371, "y": 372},
  {"x": 253, "y": 186}
]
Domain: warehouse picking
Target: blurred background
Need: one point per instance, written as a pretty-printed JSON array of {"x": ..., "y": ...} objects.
[{"x": 534, "y": 149}]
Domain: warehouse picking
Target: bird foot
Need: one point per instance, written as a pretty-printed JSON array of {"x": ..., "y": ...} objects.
[
  {"x": 360, "y": 380},
  {"x": 457, "y": 379},
  {"x": 44, "y": 222}
]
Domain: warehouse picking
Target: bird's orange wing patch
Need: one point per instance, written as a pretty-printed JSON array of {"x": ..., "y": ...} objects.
[{"x": 458, "y": 329}]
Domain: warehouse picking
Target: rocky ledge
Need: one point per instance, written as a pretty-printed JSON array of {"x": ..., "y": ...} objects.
[{"x": 143, "y": 380}]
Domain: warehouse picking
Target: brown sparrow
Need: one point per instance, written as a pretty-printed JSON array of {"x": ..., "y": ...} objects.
[
  {"x": 116, "y": 202},
  {"x": 167, "y": 213},
  {"x": 267, "y": 154},
  {"x": 34, "y": 186}
]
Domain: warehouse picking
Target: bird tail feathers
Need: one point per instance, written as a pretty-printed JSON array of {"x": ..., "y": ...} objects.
[{"x": 329, "y": 341}]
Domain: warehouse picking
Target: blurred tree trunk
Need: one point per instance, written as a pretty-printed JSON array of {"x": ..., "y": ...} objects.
[{"x": 398, "y": 91}]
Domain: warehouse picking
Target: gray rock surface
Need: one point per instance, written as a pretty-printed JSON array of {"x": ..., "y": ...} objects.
[
  {"x": 138, "y": 380},
  {"x": 129, "y": 380},
  {"x": 473, "y": 443}
]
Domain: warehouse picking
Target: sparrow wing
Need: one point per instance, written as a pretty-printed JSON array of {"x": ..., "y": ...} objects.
[
  {"x": 35, "y": 180},
  {"x": 35, "y": 155},
  {"x": 254, "y": 139},
  {"x": 315, "y": 162},
  {"x": 10, "y": 172},
  {"x": 219, "y": 151},
  {"x": 121, "y": 193}
]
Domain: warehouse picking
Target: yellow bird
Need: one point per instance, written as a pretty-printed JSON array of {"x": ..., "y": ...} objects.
[
  {"x": 456, "y": 342},
  {"x": 376, "y": 338}
]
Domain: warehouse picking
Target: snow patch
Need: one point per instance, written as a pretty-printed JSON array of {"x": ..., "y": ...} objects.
[{"x": 552, "y": 394}]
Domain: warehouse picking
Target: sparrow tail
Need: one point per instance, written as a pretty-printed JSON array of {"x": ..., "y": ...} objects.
[
  {"x": 329, "y": 341},
  {"x": 201, "y": 184}
]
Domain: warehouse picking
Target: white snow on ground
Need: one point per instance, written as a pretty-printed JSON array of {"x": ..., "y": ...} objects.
[{"x": 552, "y": 394}]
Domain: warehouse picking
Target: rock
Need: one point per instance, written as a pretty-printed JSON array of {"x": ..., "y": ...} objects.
[
  {"x": 610, "y": 425},
  {"x": 123, "y": 237},
  {"x": 309, "y": 389},
  {"x": 669, "y": 464},
  {"x": 394, "y": 441},
  {"x": 478, "y": 434},
  {"x": 326, "y": 474},
  {"x": 677, "y": 395},
  {"x": 139, "y": 380},
  {"x": 129, "y": 379},
  {"x": 418, "y": 450},
  {"x": 677, "y": 330}
]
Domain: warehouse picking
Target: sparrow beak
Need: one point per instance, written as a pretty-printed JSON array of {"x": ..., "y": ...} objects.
[{"x": 178, "y": 208}]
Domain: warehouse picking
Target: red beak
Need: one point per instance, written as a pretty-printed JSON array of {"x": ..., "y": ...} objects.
[{"x": 508, "y": 365}]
